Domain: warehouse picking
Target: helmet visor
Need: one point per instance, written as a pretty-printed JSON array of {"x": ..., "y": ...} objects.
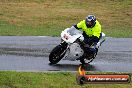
[{"x": 89, "y": 23}]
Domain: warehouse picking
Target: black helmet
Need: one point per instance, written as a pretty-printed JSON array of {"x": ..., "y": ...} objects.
[{"x": 90, "y": 20}]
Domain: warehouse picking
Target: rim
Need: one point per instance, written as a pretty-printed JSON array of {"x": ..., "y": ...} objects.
[{"x": 56, "y": 56}]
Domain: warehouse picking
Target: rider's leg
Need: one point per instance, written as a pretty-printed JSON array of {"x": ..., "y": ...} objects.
[{"x": 91, "y": 42}]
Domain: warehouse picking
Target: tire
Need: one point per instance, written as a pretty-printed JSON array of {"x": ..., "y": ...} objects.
[
  {"x": 84, "y": 60},
  {"x": 93, "y": 57},
  {"x": 57, "y": 54}
]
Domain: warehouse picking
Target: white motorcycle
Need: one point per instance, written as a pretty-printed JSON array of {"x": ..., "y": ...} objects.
[{"x": 72, "y": 45}]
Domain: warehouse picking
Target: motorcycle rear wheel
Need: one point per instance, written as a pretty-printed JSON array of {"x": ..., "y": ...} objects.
[
  {"x": 87, "y": 61},
  {"x": 93, "y": 57},
  {"x": 56, "y": 54}
]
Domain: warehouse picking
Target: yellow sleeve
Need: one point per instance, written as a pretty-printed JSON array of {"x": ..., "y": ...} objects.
[
  {"x": 97, "y": 30},
  {"x": 81, "y": 24}
]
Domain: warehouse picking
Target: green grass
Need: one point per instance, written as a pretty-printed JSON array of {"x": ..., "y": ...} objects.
[
  {"x": 9, "y": 79},
  {"x": 13, "y": 30},
  {"x": 50, "y": 17}
]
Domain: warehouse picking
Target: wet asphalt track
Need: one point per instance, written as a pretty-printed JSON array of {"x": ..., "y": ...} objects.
[{"x": 30, "y": 53}]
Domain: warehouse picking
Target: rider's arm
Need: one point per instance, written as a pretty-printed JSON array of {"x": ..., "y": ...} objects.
[
  {"x": 79, "y": 25},
  {"x": 76, "y": 26},
  {"x": 97, "y": 30}
]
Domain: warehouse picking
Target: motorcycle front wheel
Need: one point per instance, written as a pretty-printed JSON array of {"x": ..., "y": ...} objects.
[{"x": 57, "y": 54}]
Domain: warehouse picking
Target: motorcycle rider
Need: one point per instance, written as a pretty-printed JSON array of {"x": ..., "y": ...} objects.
[{"x": 91, "y": 31}]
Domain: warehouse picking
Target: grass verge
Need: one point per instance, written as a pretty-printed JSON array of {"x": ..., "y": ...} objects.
[
  {"x": 11, "y": 79},
  {"x": 50, "y": 17}
]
